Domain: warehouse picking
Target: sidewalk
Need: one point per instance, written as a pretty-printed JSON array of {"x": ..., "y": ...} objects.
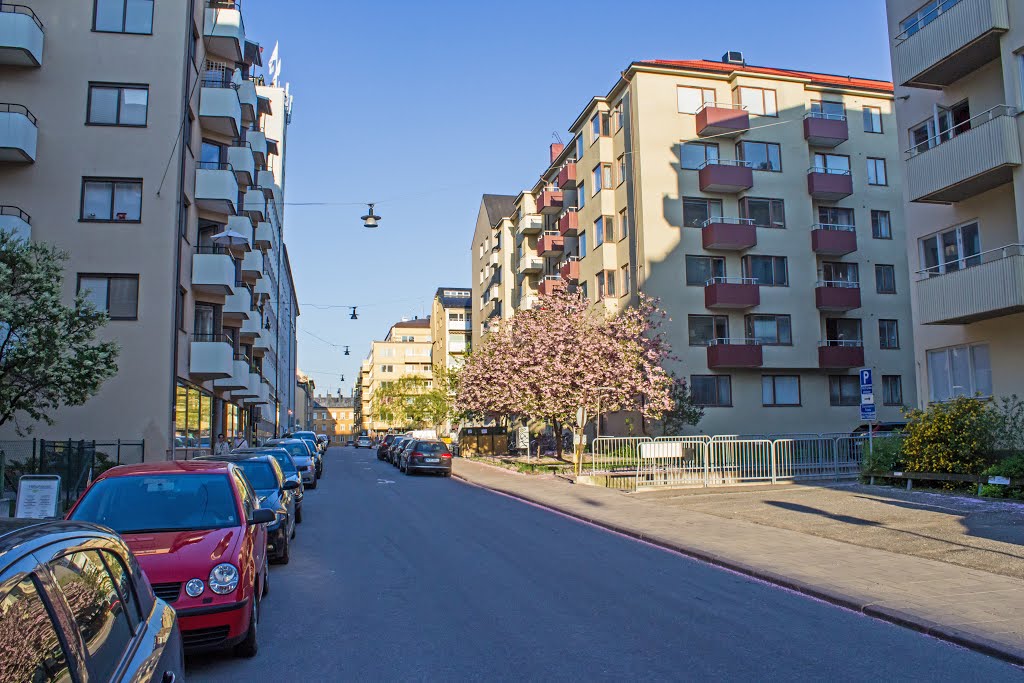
[{"x": 977, "y": 609}]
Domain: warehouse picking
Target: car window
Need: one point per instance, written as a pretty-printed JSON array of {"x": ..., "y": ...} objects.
[
  {"x": 123, "y": 583},
  {"x": 259, "y": 473},
  {"x": 29, "y": 647},
  {"x": 428, "y": 447},
  {"x": 245, "y": 493},
  {"x": 97, "y": 609},
  {"x": 284, "y": 461}
]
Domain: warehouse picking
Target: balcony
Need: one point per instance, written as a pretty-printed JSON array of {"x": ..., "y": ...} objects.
[
  {"x": 268, "y": 183},
  {"x": 549, "y": 201},
  {"x": 251, "y": 386},
  {"x": 837, "y": 295},
  {"x": 729, "y": 234},
  {"x": 262, "y": 341},
  {"x": 219, "y": 109},
  {"x": 569, "y": 223},
  {"x": 248, "y": 100},
  {"x": 550, "y": 284},
  {"x": 734, "y": 353},
  {"x": 238, "y": 306},
  {"x": 18, "y": 134},
  {"x": 722, "y": 119},
  {"x": 243, "y": 163},
  {"x": 216, "y": 187},
  {"x": 224, "y": 30},
  {"x": 264, "y": 236},
  {"x": 551, "y": 243},
  {"x": 210, "y": 356},
  {"x": 944, "y": 46},
  {"x": 825, "y": 130},
  {"x": 735, "y": 293},
  {"x": 725, "y": 176},
  {"x": 257, "y": 140},
  {"x": 530, "y": 266},
  {"x": 989, "y": 285},
  {"x": 829, "y": 184},
  {"x": 21, "y": 36},
  {"x": 570, "y": 270},
  {"x": 255, "y": 205},
  {"x": 15, "y": 221},
  {"x": 213, "y": 271},
  {"x": 252, "y": 327},
  {"x": 839, "y": 354},
  {"x": 829, "y": 239},
  {"x": 567, "y": 176},
  {"x": 243, "y": 226},
  {"x": 239, "y": 379},
  {"x": 252, "y": 265},
  {"x": 976, "y": 160},
  {"x": 528, "y": 303},
  {"x": 530, "y": 224},
  {"x": 459, "y": 326},
  {"x": 262, "y": 290}
]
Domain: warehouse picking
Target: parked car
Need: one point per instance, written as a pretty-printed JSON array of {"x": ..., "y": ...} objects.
[
  {"x": 426, "y": 455},
  {"x": 350, "y": 442},
  {"x": 61, "y": 579},
  {"x": 288, "y": 468},
  {"x": 382, "y": 449},
  {"x": 200, "y": 536},
  {"x": 324, "y": 442},
  {"x": 395, "y": 448},
  {"x": 314, "y": 446},
  {"x": 274, "y": 493},
  {"x": 364, "y": 442},
  {"x": 301, "y": 456}
]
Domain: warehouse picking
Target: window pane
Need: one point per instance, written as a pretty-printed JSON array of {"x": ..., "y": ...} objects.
[
  {"x": 29, "y": 647},
  {"x": 693, "y": 155},
  {"x": 688, "y": 100},
  {"x": 880, "y": 227},
  {"x": 109, "y": 15},
  {"x": 95, "y": 291},
  {"x": 96, "y": 204},
  {"x": 124, "y": 295},
  {"x": 133, "y": 106},
  {"x": 122, "y": 580},
  {"x": 982, "y": 370},
  {"x": 767, "y": 391},
  {"x": 701, "y": 330},
  {"x": 138, "y": 16},
  {"x": 752, "y": 99},
  {"x": 769, "y": 103},
  {"x": 724, "y": 391},
  {"x": 960, "y": 365},
  {"x": 787, "y": 391},
  {"x": 128, "y": 201},
  {"x": 103, "y": 105}
]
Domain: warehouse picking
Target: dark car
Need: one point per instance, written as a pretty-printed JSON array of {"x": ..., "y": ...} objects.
[
  {"x": 382, "y": 449},
  {"x": 302, "y": 456},
  {"x": 75, "y": 605},
  {"x": 288, "y": 467},
  {"x": 395, "y": 448},
  {"x": 426, "y": 455},
  {"x": 273, "y": 493},
  {"x": 314, "y": 446}
]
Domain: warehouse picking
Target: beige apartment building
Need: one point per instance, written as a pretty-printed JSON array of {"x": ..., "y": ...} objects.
[
  {"x": 404, "y": 352},
  {"x": 133, "y": 135},
  {"x": 958, "y": 69},
  {"x": 333, "y": 416},
  {"x": 451, "y": 327},
  {"x": 761, "y": 206},
  {"x": 492, "y": 284}
]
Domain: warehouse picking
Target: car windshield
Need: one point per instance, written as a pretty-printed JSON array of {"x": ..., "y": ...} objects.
[
  {"x": 285, "y": 461},
  {"x": 160, "y": 502},
  {"x": 259, "y": 473},
  {"x": 304, "y": 435}
]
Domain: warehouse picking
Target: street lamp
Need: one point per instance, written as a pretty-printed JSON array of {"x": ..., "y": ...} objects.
[
  {"x": 370, "y": 219},
  {"x": 346, "y": 349},
  {"x": 353, "y": 316}
]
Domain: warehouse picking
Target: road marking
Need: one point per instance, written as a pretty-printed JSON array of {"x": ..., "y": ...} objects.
[{"x": 385, "y": 481}]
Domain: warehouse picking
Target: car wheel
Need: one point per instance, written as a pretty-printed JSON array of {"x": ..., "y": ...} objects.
[
  {"x": 286, "y": 554},
  {"x": 311, "y": 485},
  {"x": 298, "y": 515},
  {"x": 250, "y": 646}
]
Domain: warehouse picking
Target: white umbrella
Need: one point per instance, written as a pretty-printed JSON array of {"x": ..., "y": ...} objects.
[{"x": 230, "y": 238}]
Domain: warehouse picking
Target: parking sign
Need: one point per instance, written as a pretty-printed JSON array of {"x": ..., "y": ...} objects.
[{"x": 867, "y": 396}]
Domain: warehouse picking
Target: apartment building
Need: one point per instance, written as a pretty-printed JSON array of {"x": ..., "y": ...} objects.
[
  {"x": 404, "y": 352},
  {"x": 305, "y": 390},
  {"x": 333, "y": 416},
  {"x": 451, "y": 326},
  {"x": 761, "y": 206},
  {"x": 959, "y": 72},
  {"x": 135, "y": 135},
  {"x": 491, "y": 263}
]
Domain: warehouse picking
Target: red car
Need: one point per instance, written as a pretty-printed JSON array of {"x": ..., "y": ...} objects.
[{"x": 200, "y": 536}]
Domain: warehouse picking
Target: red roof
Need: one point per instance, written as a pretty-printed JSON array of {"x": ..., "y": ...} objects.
[
  {"x": 167, "y": 467},
  {"x": 820, "y": 79}
]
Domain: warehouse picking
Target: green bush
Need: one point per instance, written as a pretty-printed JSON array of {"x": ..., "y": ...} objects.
[
  {"x": 885, "y": 456},
  {"x": 1012, "y": 467},
  {"x": 957, "y": 437}
]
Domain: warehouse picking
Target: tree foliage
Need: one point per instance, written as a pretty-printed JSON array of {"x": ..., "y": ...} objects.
[
  {"x": 683, "y": 413},
  {"x": 48, "y": 353},
  {"x": 956, "y": 436},
  {"x": 413, "y": 401}
]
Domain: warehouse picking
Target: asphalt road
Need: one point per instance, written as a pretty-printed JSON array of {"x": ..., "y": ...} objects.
[{"x": 425, "y": 578}]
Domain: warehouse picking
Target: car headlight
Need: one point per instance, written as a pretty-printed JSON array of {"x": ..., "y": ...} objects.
[
  {"x": 224, "y": 578},
  {"x": 195, "y": 588}
]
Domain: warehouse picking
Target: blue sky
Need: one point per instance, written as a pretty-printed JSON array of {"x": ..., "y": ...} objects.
[{"x": 426, "y": 106}]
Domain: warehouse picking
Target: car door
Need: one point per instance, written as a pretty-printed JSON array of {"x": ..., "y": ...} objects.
[{"x": 255, "y": 535}]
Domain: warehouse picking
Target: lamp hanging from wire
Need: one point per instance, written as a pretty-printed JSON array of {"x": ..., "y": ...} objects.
[
  {"x": 370, "y": 219},
  {"x": 353, "y": 316},
  {"x": 346, "y": 351}
]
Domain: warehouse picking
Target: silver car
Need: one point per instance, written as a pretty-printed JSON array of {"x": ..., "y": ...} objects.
[{"x": 301, "y": 456}]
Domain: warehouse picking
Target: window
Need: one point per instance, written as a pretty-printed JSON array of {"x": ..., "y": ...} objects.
[
  {"x": 97, "y": 610},
  {"x": 892, "y": 390},
  {"x": 111, "y": 200},
  {"x": 769, "y": 330},
  {"x": 599, "y": 126},
  {"x": 844, "y": 390},
  {"x": 835, "y": 274},
  {"x": 959, "y": 371},
  {"x": 618, "y": 114},
  {"x": 600, "y": 285},
  {"x": 769, "y": 271},
  {"x": 876, "y": 172},
  {"x": 581, "y": 241},
  {"x": 579, "y": 147},
  {"x": 835, "y": 215},
  {"x": 621, "y": 166},
  {"x": 606, "y": 224},
  {"x": 951, "y": 250},
  {"x": 581, "y": 195},
  {"x": 696, "y": 211},
  {"x": 627, "y": 285},
  {"x": 206, "y": 321},
  {"x": 829, "y": 110},
  {"x": 837, "y": 164},
  {"x": 597, "y": 176},
  {"x": 885, "y": 279},
  {"x": 623, "y": 225},
  {"x": 756, "y": 100},
  {"x": 689, "y": 100},
  {"x": 609, "y": 278},
  {"x": 763, "y": 156},
  {"x": 607, "y": 182},
  {"x": 387, "y": 368},
  {"x": 881, "y": 225},
  {"x": 843, "y": 332},
  {"x": 780, "y": 390},
  {"x": 599, "y": 231},
  {"x": 583, "y": 290},
  {"x": 888, "y": 334},
  {"x": 117, "y": 295},
  {"x": 711, "y": 390},
  {"x": 705, "y": 328},
  {"x": 30, "y": 633},
  {"x": 117, "y": 105},
  {"x": 872, "y": 119},
  {"x": 123, "y": 583},
  {"x": 925, "y": 15},
  {"x": 700, "y": 269},
  {"x": 692, "y": 155},
  {"x": 766, "y": 213},
  {"x": 952, "y": 121},
  {"x": 179, "y": 313},
  {"x": 123, "y": 16}
]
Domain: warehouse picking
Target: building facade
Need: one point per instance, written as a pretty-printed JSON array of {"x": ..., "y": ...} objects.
[
  {"x": 305, "y": 390},
  {"x": 333, "y": 416},
  {"x": 761, "y": 206},
  {"x": 492, "y": 283},
  {"x": 451, "y": 327},
  {"x": 959, "y": 77},
  {"x": 404, "y": 353},
  {"x": 128, "y": 118}
]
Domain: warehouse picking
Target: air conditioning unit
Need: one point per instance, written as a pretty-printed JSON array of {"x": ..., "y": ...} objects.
[{"x": 732, "y": 57}]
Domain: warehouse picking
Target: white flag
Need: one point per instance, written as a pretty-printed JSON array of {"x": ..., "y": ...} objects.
[{"x": 273, "y": 66}]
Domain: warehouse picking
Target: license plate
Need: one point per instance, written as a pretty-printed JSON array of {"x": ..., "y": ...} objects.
[{"x": 432, "y": 459}]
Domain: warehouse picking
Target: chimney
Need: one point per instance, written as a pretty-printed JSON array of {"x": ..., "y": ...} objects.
[
  {"x": 556, "y": 149},
  {"x": 734, "y": 57}
]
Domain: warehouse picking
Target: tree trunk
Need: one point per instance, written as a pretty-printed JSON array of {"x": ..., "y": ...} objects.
[{"x": 558, "y": 438}]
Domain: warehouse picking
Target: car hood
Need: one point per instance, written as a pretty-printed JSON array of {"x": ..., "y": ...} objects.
[{"x": 181, "y": 555}]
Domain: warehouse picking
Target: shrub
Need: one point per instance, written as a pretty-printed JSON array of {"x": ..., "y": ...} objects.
[
  {"x": 1012, "y": 467},
  {"x": 886, "y": 455},
  {"x": 955, "y": 437}
]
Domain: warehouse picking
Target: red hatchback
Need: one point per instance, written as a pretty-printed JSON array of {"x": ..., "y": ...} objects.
[{"x": 200, "y": 536}]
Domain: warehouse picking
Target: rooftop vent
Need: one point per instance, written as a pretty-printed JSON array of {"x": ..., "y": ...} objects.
[{"x": 733, "y": 58}]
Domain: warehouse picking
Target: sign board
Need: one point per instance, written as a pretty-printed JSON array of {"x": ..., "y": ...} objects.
[
  {"x": 867, "y": 395},
  {"x": 38, "y": 496},
  {"x": 999, "y": 481},
  {"x": 867, "y": 412},
  {"x": 866, "y": 380}
]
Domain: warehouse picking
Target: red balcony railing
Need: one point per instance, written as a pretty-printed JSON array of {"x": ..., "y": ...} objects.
[
  {"x": 833, "y": 240},
  {"x": 732, "y": 293},
  {"x": 568, "y": 223},
  {"x": 723, "y": 119},
  {"x": 570, "y": 269},
  {"x": 550, "y": 284},
  {"x": 729, "y": 234},
  {"x": 550, "y": 244},
  {"x": 734, "y": 353},
  {"x": 727, "y": 176},
  {"x": 549, "y": 201},
  {"x": 567, "y": 175},
  {"x": 840, "y": 354},
  {"x": 825, "y": 130},
  {"x": 829, "y": 184},
  {"x": 837, "y": 295}
]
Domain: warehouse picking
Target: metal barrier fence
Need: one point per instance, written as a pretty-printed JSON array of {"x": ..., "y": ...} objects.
[{"x": 610, "y": 454}]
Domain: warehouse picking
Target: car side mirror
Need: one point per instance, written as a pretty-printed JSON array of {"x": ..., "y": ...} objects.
[
  {"x": 290, "y": 485},
  {"x": 262, "y": 516}
]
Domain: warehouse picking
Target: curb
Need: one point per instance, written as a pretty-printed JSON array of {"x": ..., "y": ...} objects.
[{"x": 893, "y": 616}]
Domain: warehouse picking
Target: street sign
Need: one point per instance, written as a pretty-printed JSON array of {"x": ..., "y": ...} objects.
[
  {"x": 38, "y": 496},
  {"x": 866, "y": 380},
  {"x": 867, "y": 395},
  {"x": 867, "y": 412}
]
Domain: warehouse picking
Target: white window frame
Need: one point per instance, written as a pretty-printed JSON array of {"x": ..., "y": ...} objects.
[
  {"x": 704, "y": 95},
  {"x": 973, "y": 390},
  {"x": 961, "y": 260}
]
